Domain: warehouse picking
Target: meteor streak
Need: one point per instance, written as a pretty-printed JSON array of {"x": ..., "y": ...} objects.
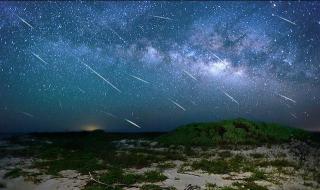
[
  {"x": 140, "y": 79},
  {"x": 293, "y": 115},
  {"x": 193, "y": 102},
  {"x": 161, "y": 17},
  {"x": 229, "y": 96},
  {"x": 81, "y": 90},
  {"x": 95, "y": 72},
  {"x": 190, "y": 75},
  {"x": 287, "y": 98},
  {"x": 216, "y": 56},
  {"x": 132, "y": 123},
  {"x": 60, "y": 104},
  {"x": 110, "y": 114},
  {"x": 178, "y": 105},
  {"x": 24, "y": 21},
  {"x": 38, "y": 57},
  {"x": 116, "y": 33},
  {"x": 285, "y": 19},
  {"x": 27, "y": 114}
]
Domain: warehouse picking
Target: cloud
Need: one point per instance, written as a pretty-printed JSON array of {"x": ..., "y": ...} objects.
[{"x": 151, "y": 55}]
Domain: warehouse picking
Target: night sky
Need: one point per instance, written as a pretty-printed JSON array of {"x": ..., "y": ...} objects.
[{"x": 152, "y": 66}]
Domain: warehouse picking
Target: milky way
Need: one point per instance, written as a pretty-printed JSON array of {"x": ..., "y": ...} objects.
[{"x": 152, "y": 66}]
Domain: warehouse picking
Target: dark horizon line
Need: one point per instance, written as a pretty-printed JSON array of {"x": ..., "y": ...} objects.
[{"x": 108, "y": 132}]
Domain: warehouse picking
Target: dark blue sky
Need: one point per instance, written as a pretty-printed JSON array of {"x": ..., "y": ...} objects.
[{"x": 156, "y": 65}]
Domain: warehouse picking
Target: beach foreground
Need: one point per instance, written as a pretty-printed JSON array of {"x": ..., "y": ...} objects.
[{"x": 98, "y": 160}]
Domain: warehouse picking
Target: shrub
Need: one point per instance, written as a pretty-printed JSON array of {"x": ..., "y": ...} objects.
[
  {"x": 238, "y": 131},
  {"x": 14, "y": 173},
  {"x": 154, "y": 176}
]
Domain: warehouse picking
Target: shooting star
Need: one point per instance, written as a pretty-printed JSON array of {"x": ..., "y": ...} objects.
[
  {"x": 24, "y": 21},
  {"x": 178, "y": 105},
  {"x": 132, "y": 123},
  {"x": 81, "y": 90},
  {"x": 293, "y": 115},
  {"x": 229, "y": 96},
  {"x": 27, "y": 114},
  {"x": 38, "y": 57},
  {"x": 95, "y": 72},
  {"x": 140, "y": 79},
  {"x": 287, "y": 98},
  {"x": 110, "y": 114},
  {"x": 285, "y": 19},
  {"x": 60, "y": 104},
  {"x": 161, "y": 17},
  {"x": 141, "y": 28},
  {"x": 193, "y": 102},
  {"x": 116, "y": 33},
  {"x": 217, "y": 57},
  {"x": 190, "y": 75}
]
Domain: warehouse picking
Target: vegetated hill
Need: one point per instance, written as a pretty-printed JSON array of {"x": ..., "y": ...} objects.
[{"x": 237, "y": 131}]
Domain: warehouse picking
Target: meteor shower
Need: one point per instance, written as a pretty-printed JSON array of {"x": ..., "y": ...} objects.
[{"x": 153, "y": 95}]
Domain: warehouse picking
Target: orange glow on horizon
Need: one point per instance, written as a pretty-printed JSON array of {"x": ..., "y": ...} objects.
[{"x": 91, "y": 127}]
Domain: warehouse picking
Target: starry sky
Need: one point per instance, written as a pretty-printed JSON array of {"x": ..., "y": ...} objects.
[{"x": 152, "y": 66}]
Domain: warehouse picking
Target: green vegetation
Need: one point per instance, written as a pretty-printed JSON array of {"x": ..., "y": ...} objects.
[
  {"x": 307, "y": 184},
  {"x": 87, "y": 151},
  {"x": 150, "y": 187},
  {"x": 277, "y": 163},
  {"x": 2, "y": 185},
  {"x": 222, "y": 166},
  {"x": 257, "y": 175},
  {"x": 316, "y": 177},
  {"x": 238, "y": 131},
  {"x": 117, "y": 177},
  {"x": 225, "y": 154},
  {"x": 226, "y": 188},
  {"x": 14, "y": 173},
  {"x": 155, "y": 187},
  {"x": 248, "y": 185},
  {"x": 95, "y": 151},
  {"x": 238, "y": 163},
  {"x": 257, "y": 155},
  {"x": 211, "y": 186},
  {"x": 154, "y": 176},
  {"x": 81, "y": 162},
  {"x": 166, "y": 165}
]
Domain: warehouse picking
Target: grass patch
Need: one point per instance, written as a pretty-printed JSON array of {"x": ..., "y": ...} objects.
[
  {"x": 166, "y": 165},
  {"x": 308, "y": 184},
  {"x": 150, "y": 187},
  {"x": 84, "y": 152},
  {"x": 222, "y": 166},
  {"x": 226, "y": 188},
  {"x": 257, "y": 175},
  {"x": 155, "y": 187},
  {"x": 257, "y": 155},
  {"x": 14, "y": 173},
  {"x": 225, "y": 154},
  {"x": 279, "y": 163},
  {"x": 248, "y": 185},
  {"x": 316, "y": 177},
  {"x": 98, "y": 187},
  {"x": 81, "y": 162},
  {"x": 238, "y": 131},
  {"x": 154, "y": 176},
  {"x": 2, "y": 185},
  {"x": 211, "y": 186},
  {"x": 117, "y": 175}
]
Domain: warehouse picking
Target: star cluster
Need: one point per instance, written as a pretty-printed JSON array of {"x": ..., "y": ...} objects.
[{"x": 151, "y": 66}]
